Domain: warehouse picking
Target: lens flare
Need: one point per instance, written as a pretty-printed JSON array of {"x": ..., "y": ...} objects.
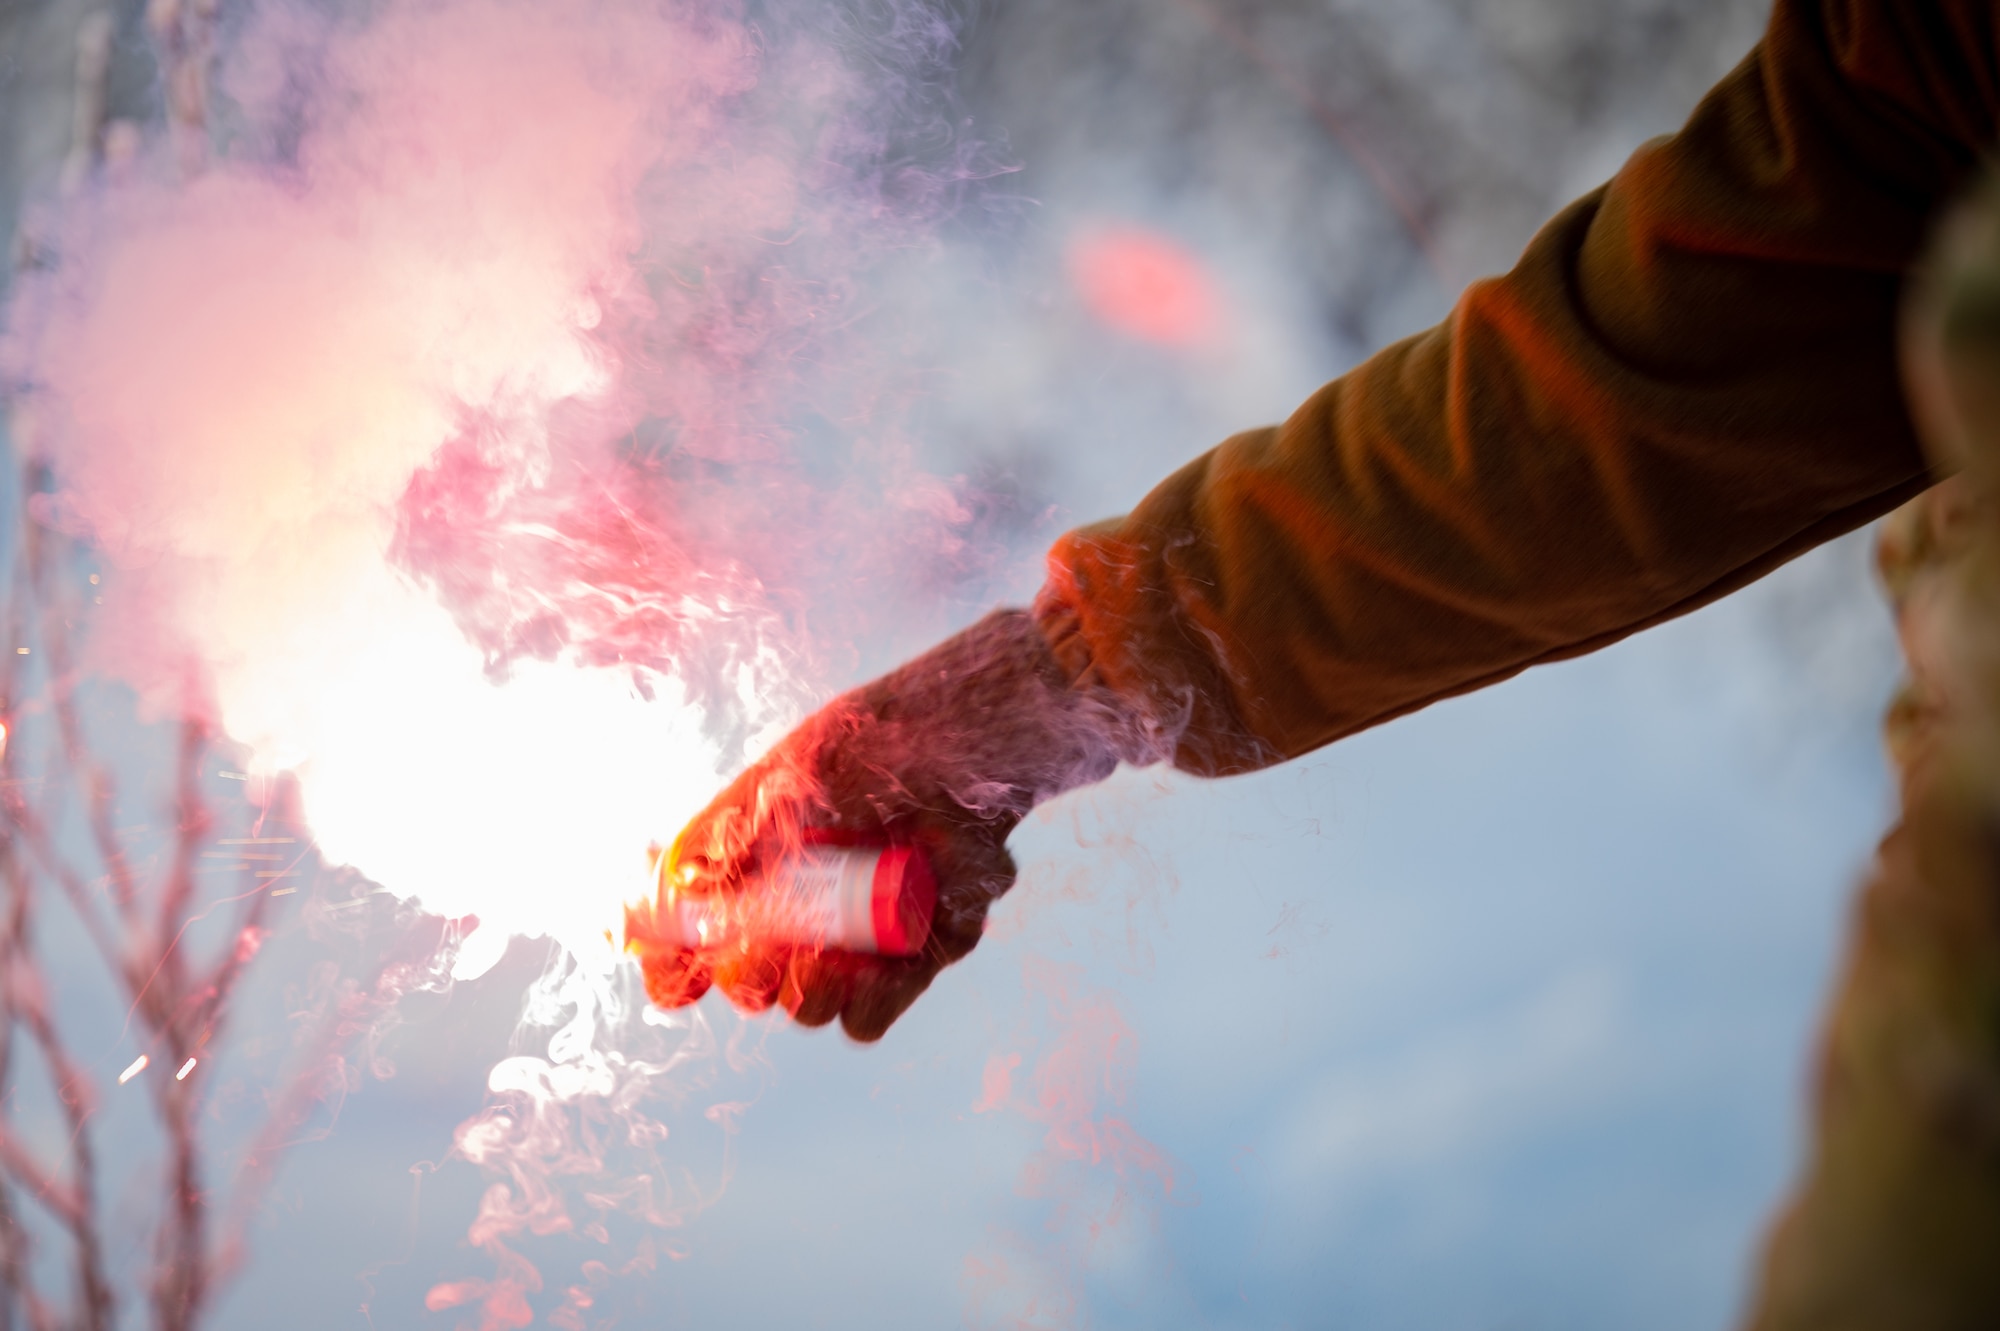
[{"x": 1146, "y": 285}]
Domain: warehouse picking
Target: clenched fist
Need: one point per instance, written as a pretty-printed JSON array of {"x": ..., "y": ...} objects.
[{"x": 945, "y": 754}]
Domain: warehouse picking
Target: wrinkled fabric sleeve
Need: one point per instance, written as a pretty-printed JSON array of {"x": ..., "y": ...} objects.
[{"x": 1689, "y": 378}]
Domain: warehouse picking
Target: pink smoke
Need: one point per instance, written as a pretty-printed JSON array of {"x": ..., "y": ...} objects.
[
  {"x": 255, "y": 386},
  {"x": 1096, "y": 1175},
  {"x": 522, "y": 345},
  {"x": 488, "y": 430}
]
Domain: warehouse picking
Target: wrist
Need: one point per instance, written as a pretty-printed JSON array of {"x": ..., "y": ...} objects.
[{"x": 1128, "y": 724}]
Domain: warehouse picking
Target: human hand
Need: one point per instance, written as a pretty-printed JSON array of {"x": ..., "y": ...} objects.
[{"x": 945, "y": 754}]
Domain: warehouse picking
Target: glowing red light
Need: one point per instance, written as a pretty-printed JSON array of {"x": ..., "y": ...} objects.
[{"x": 1145, "y": 285}]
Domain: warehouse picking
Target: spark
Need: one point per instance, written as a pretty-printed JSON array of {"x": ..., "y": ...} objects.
[
  {"x": 186, "y": 1068},
  {"x": 20, "y": 651},
  {"x": 137, "y": 1066},
  {"x": 283, "y": 891}
]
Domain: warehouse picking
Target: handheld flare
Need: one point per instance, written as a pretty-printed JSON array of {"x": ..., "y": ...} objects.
[{"x": 844, "y": 898}]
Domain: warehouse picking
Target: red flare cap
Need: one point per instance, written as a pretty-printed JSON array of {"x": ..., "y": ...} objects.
[{"x": 903, "y": 900}]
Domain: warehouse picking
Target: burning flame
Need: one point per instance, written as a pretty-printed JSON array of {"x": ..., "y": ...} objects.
[
  {"x": 528, "y": 804},
  {"x": 241, "y": 374}
]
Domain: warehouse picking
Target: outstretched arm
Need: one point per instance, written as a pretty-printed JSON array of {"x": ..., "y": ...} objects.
[{"x": 1689, "y": 378}]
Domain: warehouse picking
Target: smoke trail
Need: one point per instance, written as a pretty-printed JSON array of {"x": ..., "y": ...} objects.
[
  {"x": 576, "y": 1144},
  {"x": 478, "y": 429},
  {"x": 1095, "y": 1175},
  {"x": 238, "y": 376}
]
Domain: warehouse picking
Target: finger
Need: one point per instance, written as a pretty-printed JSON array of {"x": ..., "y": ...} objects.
[
  {"x": 882, "y": 993},
  {"x": 674, "y": 979},
  {"x": 974, "y": 873},
  {"x": 817, "y": 985},
  {"x": 770, "y": 809},
  {"x": 750, "y": 979},
  {"x": 786, "y": 788},
  {"x": 717, "y": 838}
]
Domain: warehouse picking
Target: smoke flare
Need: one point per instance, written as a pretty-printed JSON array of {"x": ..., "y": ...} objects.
[{"x": 446, "y": 430}]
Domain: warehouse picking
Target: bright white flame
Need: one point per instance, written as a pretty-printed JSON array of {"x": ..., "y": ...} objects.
[
  {"x": 186, "y": 1068},
  {"x": 529, "y": 803},
  {"x": 137, "y": 1066},
  {"x": 243, "y": 389}
]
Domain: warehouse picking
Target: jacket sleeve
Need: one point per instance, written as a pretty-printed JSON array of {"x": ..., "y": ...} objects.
[{"x": 1689, "y": 378}]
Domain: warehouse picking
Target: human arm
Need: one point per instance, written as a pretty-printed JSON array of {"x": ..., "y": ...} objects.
[{"x": 1689, "y": 378}]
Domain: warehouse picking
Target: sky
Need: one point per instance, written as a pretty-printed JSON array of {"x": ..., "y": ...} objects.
[{"x": 1496, "y": 1017}]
